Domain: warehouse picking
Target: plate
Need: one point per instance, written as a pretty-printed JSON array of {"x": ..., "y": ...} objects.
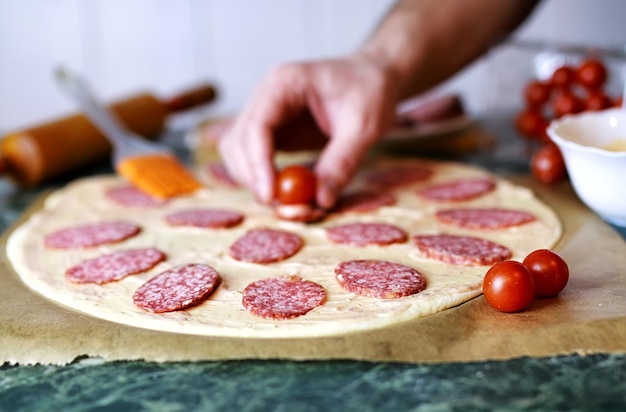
[{"x": 432, "y": 129}]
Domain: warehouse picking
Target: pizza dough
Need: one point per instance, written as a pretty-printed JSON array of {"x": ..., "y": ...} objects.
[{"x": 390, "y": 199}]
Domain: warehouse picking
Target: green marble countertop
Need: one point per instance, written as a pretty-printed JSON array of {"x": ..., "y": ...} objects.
[{"x": 589, "y": 383}]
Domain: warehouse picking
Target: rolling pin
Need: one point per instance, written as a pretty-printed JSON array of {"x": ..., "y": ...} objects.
[{"x": 46, "y": 151}]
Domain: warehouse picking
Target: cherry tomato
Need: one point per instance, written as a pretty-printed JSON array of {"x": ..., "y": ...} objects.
[
  {"x": 508, "y": 286},
  {"x": 563, "y": 77},
  {"x": 597, "y": 100},
  {"x": 591, "y": 73},
  {"x": 549, "y": 271},
  {"x": 618, "y": 101},
  {"x": 537, "y": 93},
  {"x": 567, "y": 103},
  {"x": 295, "y": 185},
  {"x": 530, "y": 124},
  {"x": 547, "y": 164},
  {"x": 544, "y": 137}
]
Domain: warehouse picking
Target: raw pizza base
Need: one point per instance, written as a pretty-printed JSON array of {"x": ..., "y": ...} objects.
[{"x": 84, "y": 201}]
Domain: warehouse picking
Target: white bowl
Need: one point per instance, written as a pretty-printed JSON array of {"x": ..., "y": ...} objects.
[{"x": 593, "y": 145}]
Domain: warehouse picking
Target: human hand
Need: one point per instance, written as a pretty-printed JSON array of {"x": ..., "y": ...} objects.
[{"x": 345, "y": 104}]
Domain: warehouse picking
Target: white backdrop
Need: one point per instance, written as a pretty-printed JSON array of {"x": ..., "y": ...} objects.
[{"x": 164, "y": 45}]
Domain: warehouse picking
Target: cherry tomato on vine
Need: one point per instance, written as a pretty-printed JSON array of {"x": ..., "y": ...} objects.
[
  {"x": 537, "y": 93},
  {"x": 567, "y": 103},
  {"x": 563, "y": 77},
  {"x": 597, "y": 100},
  {"x": 618, "y": 102},
  {"x": 295, "y": 185},
  {"x": 530, "y": 124},
  {"x": 547, "y": 164},
  {"x": 591, "y": 73},
  {"x": 508, "y": 286},
  {"x": 549, "y": 271}
]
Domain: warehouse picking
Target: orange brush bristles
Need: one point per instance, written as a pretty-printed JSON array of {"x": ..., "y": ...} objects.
[{"x": 158, "y": 175}]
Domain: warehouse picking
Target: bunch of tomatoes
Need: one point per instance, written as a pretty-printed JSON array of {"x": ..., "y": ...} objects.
[
  {"x": 571, "y": 89},
  {"x": 511, "y": 286}
]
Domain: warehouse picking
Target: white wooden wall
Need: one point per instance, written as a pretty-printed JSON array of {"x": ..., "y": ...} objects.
[{"x": 164, "y": 45}]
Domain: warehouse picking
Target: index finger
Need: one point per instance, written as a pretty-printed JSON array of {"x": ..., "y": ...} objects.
[{"x": 280, "y": 97}]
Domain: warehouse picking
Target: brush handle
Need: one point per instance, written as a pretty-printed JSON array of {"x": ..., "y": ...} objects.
[
  {"x": 125, "y": 144},
  {"x": 79, "y": 90}
]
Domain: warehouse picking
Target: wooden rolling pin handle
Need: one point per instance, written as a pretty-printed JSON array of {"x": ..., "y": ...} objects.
[{"x": 202, "y": 94}]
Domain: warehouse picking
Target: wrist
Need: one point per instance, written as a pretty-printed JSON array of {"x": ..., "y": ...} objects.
[
  {"x": 398, "y": 48},
  {"x": 392, "y": 78}
]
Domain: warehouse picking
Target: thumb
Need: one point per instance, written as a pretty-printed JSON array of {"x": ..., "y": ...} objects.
[{"x": 339, "y": 162}]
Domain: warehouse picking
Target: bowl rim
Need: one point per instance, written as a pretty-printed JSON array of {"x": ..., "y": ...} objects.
[{"x": 560, "y": 141}]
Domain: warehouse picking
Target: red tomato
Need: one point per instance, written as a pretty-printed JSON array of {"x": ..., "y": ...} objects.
[
  {"x": 295, "y": 185},
  {"x": 544, "y": 137},
  {"x": 618, "y": 101},
  {"x": 597, "y": 100},
  {"x": 508, "y": 286},
  {"x": 563, "y": 77},
  {"x": 591, "y": 73},
  {"x": 537, "y": 93},
  {"x": 567, "y": 103},
  {"x": 549, "y": 271},
  {"x": 547, "y": 164},
  {"x": 530, "y": 124}
]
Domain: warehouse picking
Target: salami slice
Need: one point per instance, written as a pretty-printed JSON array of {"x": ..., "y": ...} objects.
[
  {"x": 399, "y": 176},
  {"x": 178, "y": 288},
  {"x": 114, "y": 266},
  {"x": 416, "y": 111},
  {"x": 130, "y": 196},
  {"x": 461, "y": 250},
  {"x": 282, "y": 298},
  {"x": 365, "y": 234},
  {"x": 90, "y": 235},
  {"x": 220, "y": 173},
  {"x": 485, "y": 218},
  {"x": 304, "y": 213},
  {"x": 458, "y": 190},
  {"x": 379, "y": 279},
  {"x": 364, "y": 202},
  {"x": 265, "y": 246},
  {"x": 205, "y": 218}
]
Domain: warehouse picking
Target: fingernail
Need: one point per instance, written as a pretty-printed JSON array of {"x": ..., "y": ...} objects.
[
  {"x": 264, "y": 193},
  {"x": 326, "y": 195},
  {"x": 264, "y": 189}
]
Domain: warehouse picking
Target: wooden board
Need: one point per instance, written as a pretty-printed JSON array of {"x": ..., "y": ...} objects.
[{"x": 588, "y": 317}]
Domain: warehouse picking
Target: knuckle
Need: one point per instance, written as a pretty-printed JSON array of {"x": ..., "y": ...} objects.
[{"x": 288, "y": 72}]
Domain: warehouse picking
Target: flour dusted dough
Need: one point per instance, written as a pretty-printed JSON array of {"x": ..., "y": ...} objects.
[{"x": 222, "y": 314}]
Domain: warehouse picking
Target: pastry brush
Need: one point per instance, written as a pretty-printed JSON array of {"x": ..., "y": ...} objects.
[{"x": 149, "y": 166}]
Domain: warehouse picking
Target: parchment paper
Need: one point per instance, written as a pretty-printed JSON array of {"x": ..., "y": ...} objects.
[{"x": 588, "y": 317}]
